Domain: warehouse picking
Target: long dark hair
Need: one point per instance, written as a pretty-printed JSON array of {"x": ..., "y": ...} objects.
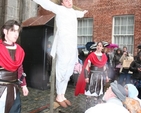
[
  {"x": 100, "y": 42},
  {"x": 8, "y": 25},
  {"x": 116, "y": 52}
]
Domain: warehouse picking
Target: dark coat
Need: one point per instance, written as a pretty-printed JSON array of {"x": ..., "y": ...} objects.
[
  {"x": 117, "y": 57},
  {"x": 134, "y": 67}
]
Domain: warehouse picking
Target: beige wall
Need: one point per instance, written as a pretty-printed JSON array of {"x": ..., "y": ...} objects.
[{"x": 17, "y": 9}]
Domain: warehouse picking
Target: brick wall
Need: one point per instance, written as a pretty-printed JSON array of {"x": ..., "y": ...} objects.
[{"x": 103, "y": 11}]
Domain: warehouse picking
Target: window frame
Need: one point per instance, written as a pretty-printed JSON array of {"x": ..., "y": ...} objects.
[
  {"x": 131, "y": 45},
  {"x": 81, "y": 34}
]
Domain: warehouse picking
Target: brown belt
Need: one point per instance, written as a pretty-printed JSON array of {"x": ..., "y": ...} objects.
[
  {"x": 7, "y": 75},
  {"x": 94, "y": 68}
]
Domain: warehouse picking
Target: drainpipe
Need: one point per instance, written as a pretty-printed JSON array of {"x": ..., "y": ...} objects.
[
  {"x": 4, "y": 2},
  {"x": 21, "y": 6}
]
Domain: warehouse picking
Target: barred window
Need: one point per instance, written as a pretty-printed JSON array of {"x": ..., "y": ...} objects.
[
  {"x": 85, "y": 31},
  {"x": 123, "y": 31}
]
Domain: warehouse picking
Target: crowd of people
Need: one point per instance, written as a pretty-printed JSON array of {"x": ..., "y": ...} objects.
[{"x": 102, "y": 67}]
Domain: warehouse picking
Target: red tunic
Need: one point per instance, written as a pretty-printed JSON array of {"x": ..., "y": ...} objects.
[
  {"x": 8, "y": 63},
  {"x": 81, "y": 84}
]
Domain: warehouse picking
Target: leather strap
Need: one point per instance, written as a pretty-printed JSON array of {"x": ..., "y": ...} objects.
[
  {"x": 94, "y": 68},
  {"x": 9, "y": 98},
  {"x": 86, "y": 73}
]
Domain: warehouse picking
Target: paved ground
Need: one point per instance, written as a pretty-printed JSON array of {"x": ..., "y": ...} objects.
[{"x": 39, "y": 99}]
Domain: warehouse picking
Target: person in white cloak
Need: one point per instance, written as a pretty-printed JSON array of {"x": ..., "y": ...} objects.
[
  {"x": 65, "y": 43},
  {"x": 113, "y": 103}
]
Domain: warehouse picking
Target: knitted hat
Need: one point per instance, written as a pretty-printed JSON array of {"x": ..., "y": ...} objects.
[
  {"x": 118, "y": 90},
  {"x": 132, "y": 91}
]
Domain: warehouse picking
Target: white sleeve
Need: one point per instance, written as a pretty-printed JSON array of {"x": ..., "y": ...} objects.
[
  {"x": 79, "y": 14},
  {"x": 48, "y": 5}
]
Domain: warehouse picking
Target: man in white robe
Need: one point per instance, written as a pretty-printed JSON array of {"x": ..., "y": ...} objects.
[
  {"x": 65, "y": 43},
  {"x": 113, "y": 96}
]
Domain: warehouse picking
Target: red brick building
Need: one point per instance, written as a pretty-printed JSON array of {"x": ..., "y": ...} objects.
[{"x": 114, "y": 21}]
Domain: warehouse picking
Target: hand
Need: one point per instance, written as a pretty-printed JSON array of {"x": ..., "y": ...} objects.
[
  {"x": 125, "y": 53},
  {"x": 139, "y": 69},
  {"x": 104, "y": 68},
  {"x": 85, "y": 11},
  {"x": 25, "y": 90},
  {"x": 87, "y": 80},
  {"x": 107, "y": 79}
]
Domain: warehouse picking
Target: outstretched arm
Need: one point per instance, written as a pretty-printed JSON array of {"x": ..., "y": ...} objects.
[
  {"x": 81, "y": 14},
  {"x": 48, "y": 5}
]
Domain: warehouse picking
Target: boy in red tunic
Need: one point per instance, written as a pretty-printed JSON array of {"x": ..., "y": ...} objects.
[{"x": 11, "y": 58}]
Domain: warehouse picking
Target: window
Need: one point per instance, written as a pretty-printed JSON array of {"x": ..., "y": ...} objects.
[
  {"x": 123, "y": 31},
  {"x": 85, "y": 31}
]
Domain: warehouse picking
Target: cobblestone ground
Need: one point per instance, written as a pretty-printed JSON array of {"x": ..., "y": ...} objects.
[{"x": 41, "y": 98}]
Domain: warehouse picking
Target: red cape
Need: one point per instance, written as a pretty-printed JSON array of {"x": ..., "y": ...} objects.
[
  {"x": 5, "y": 59},
  {"x": 81, "y": 84}
]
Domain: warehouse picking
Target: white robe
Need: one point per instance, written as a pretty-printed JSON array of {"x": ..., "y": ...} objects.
[
  {"x": 107, "y": 108},
  {"x": 65, "y": 41},
  {"x": 3, "y": 100},
  {"x": 113, "y": 105}
]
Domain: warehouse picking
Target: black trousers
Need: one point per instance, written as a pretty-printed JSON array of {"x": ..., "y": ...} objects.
[
  {"x": 139, "y": 96},
  {"x": 16, "y": 108}
]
